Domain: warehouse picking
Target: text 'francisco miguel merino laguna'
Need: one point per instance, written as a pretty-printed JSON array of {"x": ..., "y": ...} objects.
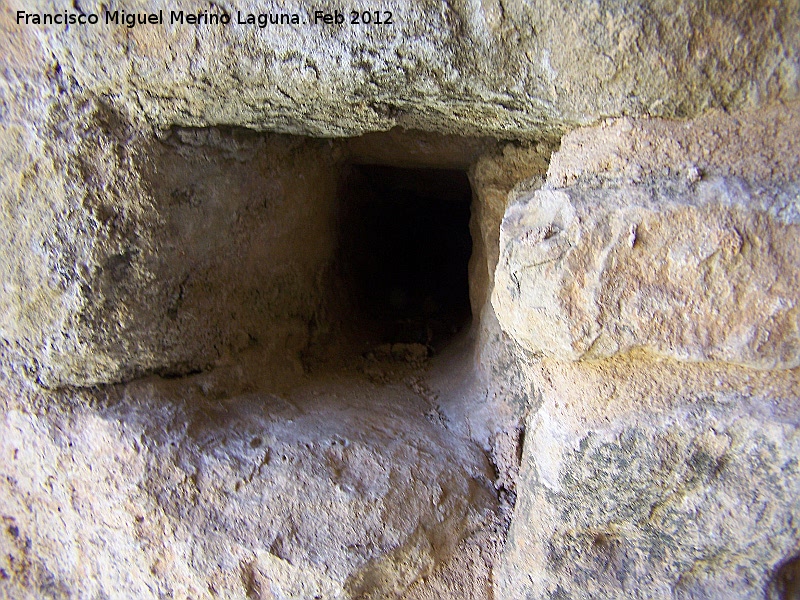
[{"x": 176, "y": 17}]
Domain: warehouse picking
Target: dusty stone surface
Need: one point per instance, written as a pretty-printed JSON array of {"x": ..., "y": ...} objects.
[
  {"x": 654, "y": 256},
  {"x": 701, "y": 267},
  {"x": 147, "y": 228},
  {"x": 757, "y": 146},
  {"x": 509, "y": 69},
  {"x": 147, "y": 255},
  {"x": 680, "y": 482},
  {"x": 337, "y": 489},
  {"x": 496, "y": 358}
]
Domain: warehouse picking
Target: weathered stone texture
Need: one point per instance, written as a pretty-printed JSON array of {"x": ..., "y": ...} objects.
[
  {"x": 166, "y": 254},
  {"x": 510, "y": 69},
  {"x": 170, "y": 490},
  {"x": 758, "y": 146},
  {"x": 655, "y": 255},
  {"x": 493, "y": 176},
  {"x": 676, "y": 483},
  {"x": 699, "y": 267},
  {"x": 640, "y": 315}
]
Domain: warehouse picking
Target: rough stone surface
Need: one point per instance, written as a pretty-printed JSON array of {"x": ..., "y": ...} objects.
[
  {"x": 510, "y": 69},
  {"x": 680, "y": 482},
  {"x": 167, "y": 254},
  {"x": 698, "y": 267},
  {"x": 159, "y": 255},
  {"x": 626, "y": 400},
  {"x": 757, "y": 146},
  {"x": 655, "y": 255},
  {"x": 493, "y": 177},
  {"x": 338, "y": 489}
]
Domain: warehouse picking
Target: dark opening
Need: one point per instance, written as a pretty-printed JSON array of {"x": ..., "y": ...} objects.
[
  {"x": 786, "y": 583},
  {"x": 405, "y": 248}
]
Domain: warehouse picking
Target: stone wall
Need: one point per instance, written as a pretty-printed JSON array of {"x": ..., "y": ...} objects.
[
  {"x": 626, "y": 422},
  {"x": 508, "y": 69},
  {"x": 160, "y": 254},
  {"x": 652, "y": 284}
]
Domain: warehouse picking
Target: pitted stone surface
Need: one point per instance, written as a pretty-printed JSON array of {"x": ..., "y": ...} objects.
[
  {"x": 655, "y": 479},
  {"x": 173, "y": 490},
  {"x": 508, "y": 69},
  {"x": 699, "y": 272},
  {"x": 674, "y": 237}
]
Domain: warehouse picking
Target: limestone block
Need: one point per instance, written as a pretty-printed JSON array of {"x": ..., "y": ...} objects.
[
  {"x": 705, "y": 271},
  {"x": 122, "y": 254},
  {"x": 757, "y": 146},
  {"x": 507, "y": 69},
  {"x": 674, "y": 483},
  {"x": 326, "y": 493}
]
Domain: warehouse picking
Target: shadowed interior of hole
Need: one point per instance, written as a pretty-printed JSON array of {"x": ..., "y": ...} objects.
[
  {"x": 786, "y": 583},
  {"x": 405, "y": 248}
]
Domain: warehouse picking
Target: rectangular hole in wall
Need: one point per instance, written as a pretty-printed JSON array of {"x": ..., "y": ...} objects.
[{"x": 404, "y": 250}]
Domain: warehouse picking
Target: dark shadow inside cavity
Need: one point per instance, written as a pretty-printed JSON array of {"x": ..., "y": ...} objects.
[
  {"x": 405, "y": 248},
  {"x": 786, "y": 583}
]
